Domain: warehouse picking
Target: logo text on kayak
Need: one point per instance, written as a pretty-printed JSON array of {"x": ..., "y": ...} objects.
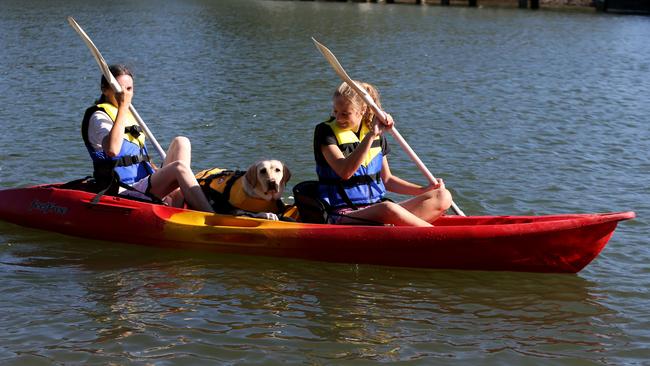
[{"x": 48, "y": 207}]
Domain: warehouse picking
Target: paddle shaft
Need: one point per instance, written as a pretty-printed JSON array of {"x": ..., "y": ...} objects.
[
  {"x": 115, "y": 85},
  {"x": 381, "y": 114},
  {"x": 405, "y": 146}
]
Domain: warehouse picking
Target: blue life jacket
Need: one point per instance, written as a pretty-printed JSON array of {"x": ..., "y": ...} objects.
[
  {"x": 131, "y": 164},
  {"x": 365, "y": 186}
]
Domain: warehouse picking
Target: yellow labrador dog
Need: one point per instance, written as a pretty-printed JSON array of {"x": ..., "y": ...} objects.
[{"x": 256, "y": 192}]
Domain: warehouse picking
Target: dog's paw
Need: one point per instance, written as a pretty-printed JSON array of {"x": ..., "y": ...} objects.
[
  {"x": 268, "y": 216},
  {"x": 258, "y": 215}
]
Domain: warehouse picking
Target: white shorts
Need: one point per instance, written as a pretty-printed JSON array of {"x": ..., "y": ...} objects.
[{"x": 141, "y": 189}]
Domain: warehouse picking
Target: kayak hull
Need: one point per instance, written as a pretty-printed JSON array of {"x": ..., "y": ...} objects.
[{"x": 551, "y": 243}]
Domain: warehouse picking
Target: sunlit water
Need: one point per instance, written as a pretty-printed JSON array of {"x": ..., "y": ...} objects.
[{"x": 520, "y": 112}]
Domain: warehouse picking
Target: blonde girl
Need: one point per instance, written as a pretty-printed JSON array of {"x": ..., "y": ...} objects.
[{"x": 350, "y": 151}]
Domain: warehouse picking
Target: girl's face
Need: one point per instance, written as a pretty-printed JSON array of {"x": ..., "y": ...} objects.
[
  {"x": 348, "y": 116},
  {"x": 125, "y": 81}
]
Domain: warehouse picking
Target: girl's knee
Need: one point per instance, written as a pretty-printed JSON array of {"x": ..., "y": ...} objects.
[
  {"x": 440, "y": 198},
  {"x": 392, "y": 208},
  {"x": 444, "y": 200},
  {"x": 180, "y": 143}
]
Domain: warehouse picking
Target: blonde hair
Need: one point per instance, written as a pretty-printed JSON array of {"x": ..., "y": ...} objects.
[{"x": 346, "y": 91}]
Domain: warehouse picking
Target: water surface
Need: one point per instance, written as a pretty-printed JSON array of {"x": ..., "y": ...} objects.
[{"x": 520, "y": 112}]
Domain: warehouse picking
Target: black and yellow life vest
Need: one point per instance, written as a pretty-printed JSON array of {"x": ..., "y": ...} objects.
[{"x": 225, "y": 192}]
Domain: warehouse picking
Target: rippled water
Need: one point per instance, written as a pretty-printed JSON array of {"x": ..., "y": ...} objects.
[{"x": 520, "y": 112}]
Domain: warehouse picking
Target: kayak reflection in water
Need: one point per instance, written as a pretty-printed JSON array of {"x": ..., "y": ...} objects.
[
  {"x": 121, "y": 165},
  {"x": 353, "y": 171}
]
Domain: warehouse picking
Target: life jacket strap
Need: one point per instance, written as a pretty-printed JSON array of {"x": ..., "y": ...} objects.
[
  {"x": 228, "y": 187},
  {"x": 220, "y": 201},
  {"x": 131, "y": 160},
  {"x": 104, "y": 170},
  {"x": 355, "y": 180},
  {"x": 104, "y": 166},
  {"x": 281, "y": 207}
]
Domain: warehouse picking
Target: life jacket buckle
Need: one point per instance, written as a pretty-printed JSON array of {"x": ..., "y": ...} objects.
[{"x": 133, "y": 130}]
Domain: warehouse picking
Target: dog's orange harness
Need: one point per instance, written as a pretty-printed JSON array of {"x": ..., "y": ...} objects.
[{"x": 225, "y": 192}]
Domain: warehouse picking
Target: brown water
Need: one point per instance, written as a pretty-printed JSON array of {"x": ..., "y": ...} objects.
[{"x": 520, "y": 112}]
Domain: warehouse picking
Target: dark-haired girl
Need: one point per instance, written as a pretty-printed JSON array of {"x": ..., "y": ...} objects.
[{"x": 116, "y": 145}]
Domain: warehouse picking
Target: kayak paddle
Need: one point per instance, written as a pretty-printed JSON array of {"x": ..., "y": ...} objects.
[
  {"x": 114, "y": 84},
  {"x": 381, "y": 114}
]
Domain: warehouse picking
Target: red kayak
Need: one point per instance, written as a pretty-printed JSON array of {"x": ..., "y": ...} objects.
[{"x": 553, "y": 243}]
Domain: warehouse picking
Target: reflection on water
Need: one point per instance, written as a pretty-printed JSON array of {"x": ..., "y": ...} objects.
[{"x": 148, "y": 305}]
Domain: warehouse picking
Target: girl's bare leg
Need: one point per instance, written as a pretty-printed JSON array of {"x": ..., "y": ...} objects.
[
  {"x": 175, "y": 199},
  {"x": 180, "y": 149},
  {"x": 177, "y": 174},
  {"x": 387, "y": 213},
  {"x": 430, "y": 205}
]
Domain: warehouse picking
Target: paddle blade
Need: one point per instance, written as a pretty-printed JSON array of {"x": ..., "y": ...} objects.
[
  {"x": 103, "y": 66},
  {"x": 336, "y": 65}
]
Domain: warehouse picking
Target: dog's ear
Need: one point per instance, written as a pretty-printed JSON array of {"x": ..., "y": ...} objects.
[
  {"x": 286, "y": 173},
  {"x": 251, "y": 175}
]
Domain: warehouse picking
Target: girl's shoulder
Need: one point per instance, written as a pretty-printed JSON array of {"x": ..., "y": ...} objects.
[
  {"x": 324, "y": 135},
  {"x": 324, "y": 128},
  {"x": 100, "y": 117},
  {"x": 325, "y": 123}
]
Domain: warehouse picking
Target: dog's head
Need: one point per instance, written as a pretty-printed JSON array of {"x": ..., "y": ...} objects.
[{"x": 267, "y": 179}]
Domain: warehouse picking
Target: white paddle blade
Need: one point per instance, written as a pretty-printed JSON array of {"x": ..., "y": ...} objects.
[
  {"x": 336, "y": 65},
  {"x": 98, "y": 56},
  {"x": 332, "y": 60}
]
